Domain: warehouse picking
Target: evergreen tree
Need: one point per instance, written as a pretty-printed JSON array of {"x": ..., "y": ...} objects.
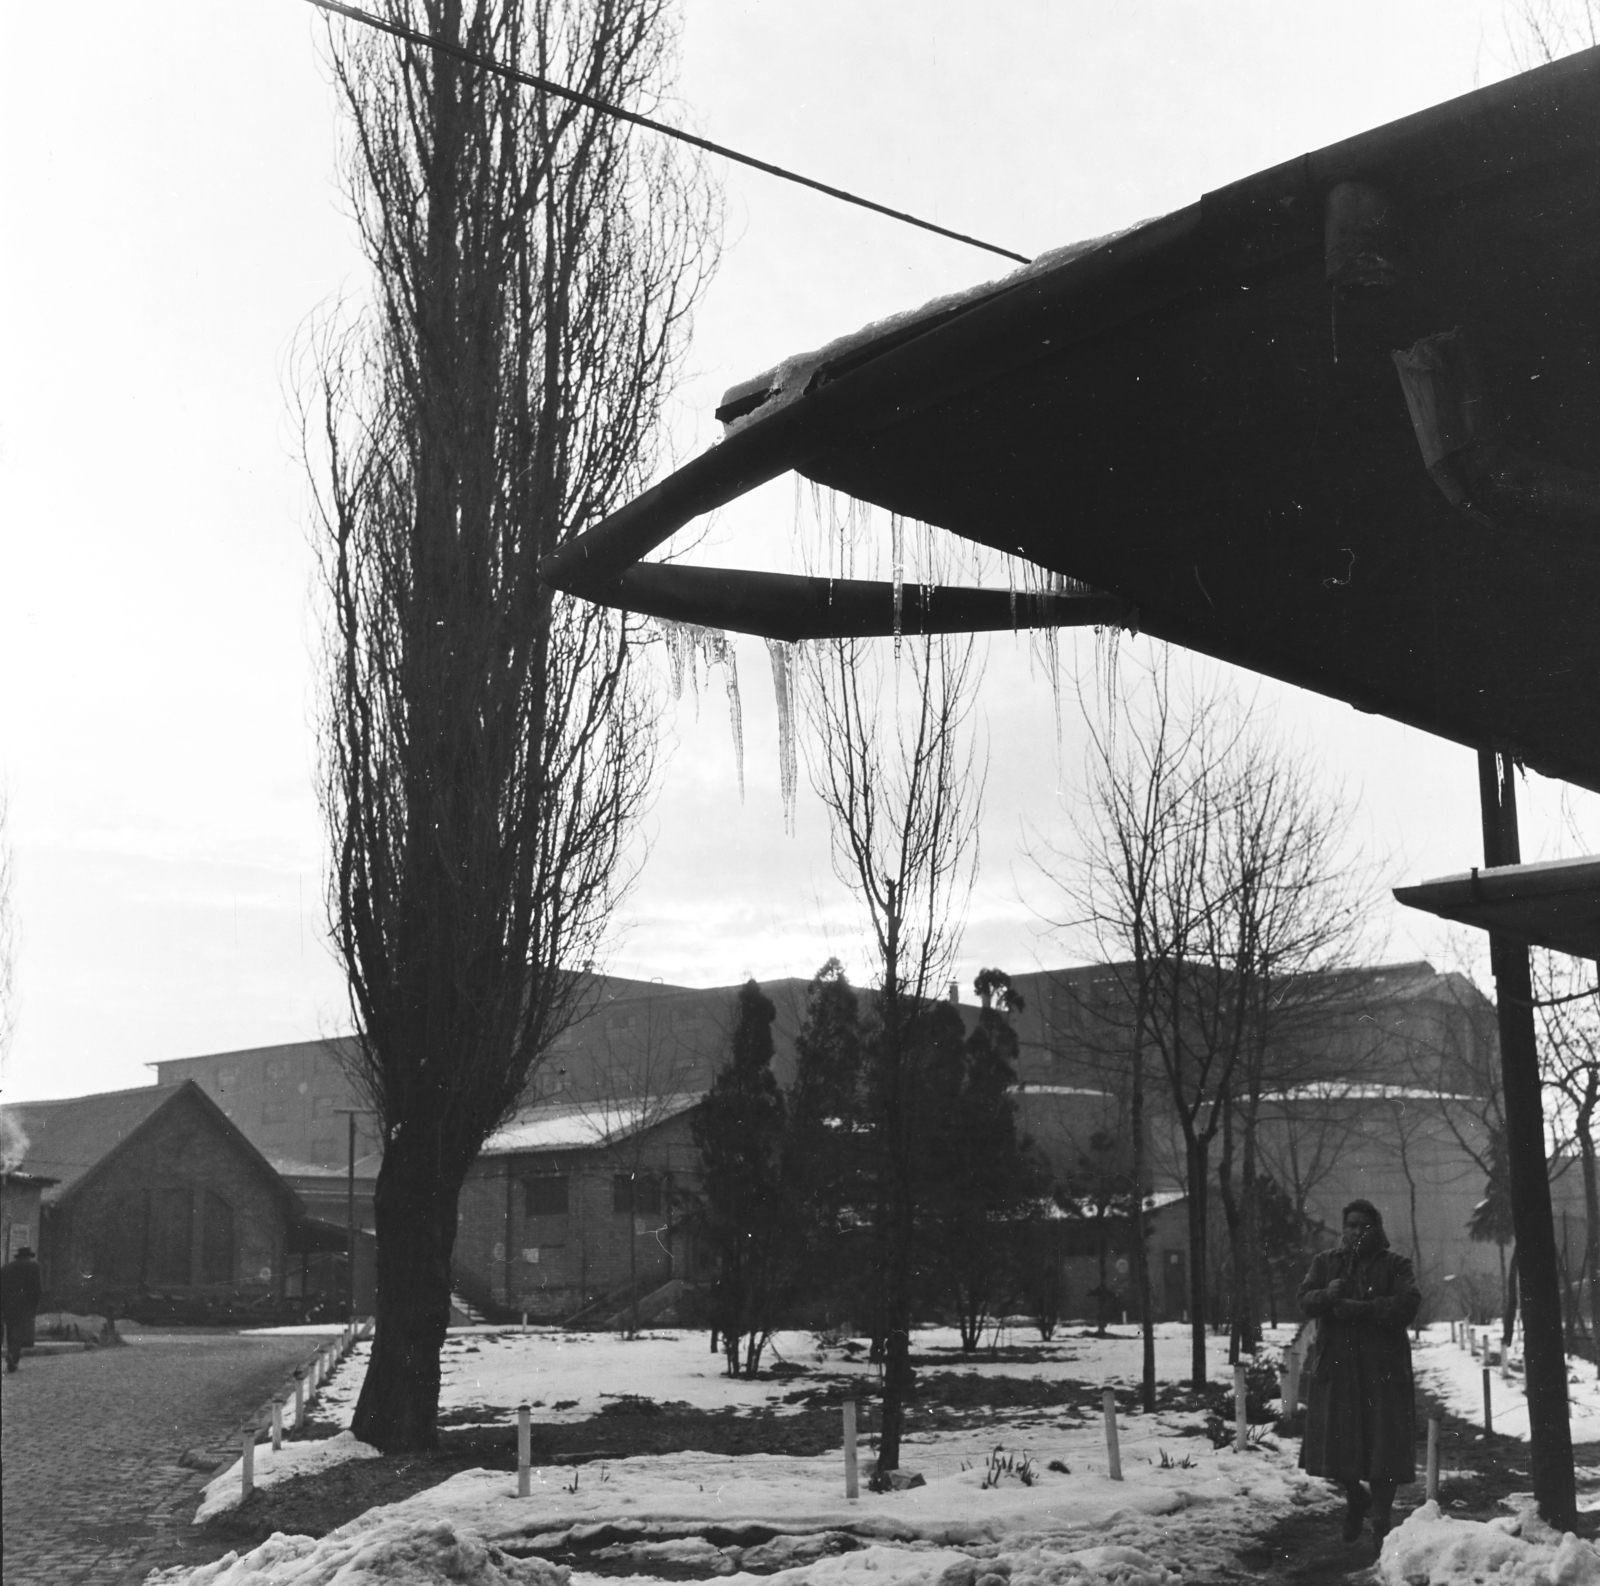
[
  {"x": 979, "y": 1175},
  {"x": 1100, "y": 1189},
  {"x": 827, "y": 1147},
  {"x": 748, "y": 1212}
]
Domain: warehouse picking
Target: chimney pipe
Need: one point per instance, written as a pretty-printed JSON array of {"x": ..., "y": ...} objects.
[{"x": 955, "y": 991}]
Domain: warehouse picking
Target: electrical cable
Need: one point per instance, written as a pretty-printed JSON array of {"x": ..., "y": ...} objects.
[{"x": 528, "y": 79}]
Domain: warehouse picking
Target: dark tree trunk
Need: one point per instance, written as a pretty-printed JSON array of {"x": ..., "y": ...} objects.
[
  {"x": 1234, "y": 1217},
  {"x": 1508, "y": 1322},
  {"x": 901, "y": 1229},
  {"x": 415, "y": 1212},
  {"x": 1591, "y": 1205},
  {"x": 1139, "y": 1255},
  {"x": 1249, "y": 1278},
  {"x": 1195, "y": 1154}
]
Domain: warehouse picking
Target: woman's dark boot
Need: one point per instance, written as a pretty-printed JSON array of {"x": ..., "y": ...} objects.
[
  {"x": 1382, "y": 1513},
  {"x": 1356, "y": 1504}
]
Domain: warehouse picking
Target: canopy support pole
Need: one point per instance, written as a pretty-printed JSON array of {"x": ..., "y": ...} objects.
[{"x": 1544, "y": 1342}]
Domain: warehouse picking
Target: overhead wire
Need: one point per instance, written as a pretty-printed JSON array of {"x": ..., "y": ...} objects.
[{"x": 546, "y": 85}]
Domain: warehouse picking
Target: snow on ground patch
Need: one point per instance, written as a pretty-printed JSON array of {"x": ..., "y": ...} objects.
[
  {"x": 292, "y": 1459},
  {"x": 485, "y": 1372},
  {"x": 1431, "y": 1549},
  {"x": 871, "y": 1566},
  {"x": 1449, "y": 1372}
]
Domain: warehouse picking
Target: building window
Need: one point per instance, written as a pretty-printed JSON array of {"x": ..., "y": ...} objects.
[
  {"x": 636, "y": 1194},
  {"x": 216, "y": 1241},
  {"x": 545, "y": 1195},
  {"x": 228, "y": 1077},
  {"x": 171, "y": 1211},
  {"x": 322, "y": 1107},
  {"x": 277, "y": 1069},
  {"x": 273, "y": 1112}
]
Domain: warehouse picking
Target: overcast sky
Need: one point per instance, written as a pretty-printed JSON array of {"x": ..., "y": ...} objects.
[{"x": 173, "y": 218}]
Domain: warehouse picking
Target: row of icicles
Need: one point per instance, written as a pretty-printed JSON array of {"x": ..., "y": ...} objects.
[{"x": 693, "y": 651}]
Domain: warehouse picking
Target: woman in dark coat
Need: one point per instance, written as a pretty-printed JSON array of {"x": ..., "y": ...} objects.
[{"x": 1360, "y": 1406}]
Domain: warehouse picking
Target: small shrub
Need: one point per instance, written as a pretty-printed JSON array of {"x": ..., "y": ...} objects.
[
  {"x": 1002, "y": 1465},
  {"x": 630, "y": 1404}
]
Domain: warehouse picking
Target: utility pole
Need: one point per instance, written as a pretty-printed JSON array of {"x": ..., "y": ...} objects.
[
  {"x": 1544, "y": 1343},
  {"x": 351, "y": 1114}
]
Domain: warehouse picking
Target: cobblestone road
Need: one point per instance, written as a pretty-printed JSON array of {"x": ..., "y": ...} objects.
[{"x": 90, "y": 1442}]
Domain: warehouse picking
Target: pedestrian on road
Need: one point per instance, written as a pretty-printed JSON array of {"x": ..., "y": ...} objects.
[
  {"x": 19, "y": 1303},
  {"x": 1360, "y": 1405}
]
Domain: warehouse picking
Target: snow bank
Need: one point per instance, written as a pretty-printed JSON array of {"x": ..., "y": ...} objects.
[
  {"x": 293, "y": 1459},
  {"x": 1431, "y": 1549},
  {"x": 395, "y": 1551}
]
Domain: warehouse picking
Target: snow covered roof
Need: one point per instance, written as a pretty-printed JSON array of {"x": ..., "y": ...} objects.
[
  {"x": 764, "y": 393},
  {"x": 577, "y": 1126},
  {"x": 1339, "y": 1090},
  {"x": 1055, "y": 1211}
]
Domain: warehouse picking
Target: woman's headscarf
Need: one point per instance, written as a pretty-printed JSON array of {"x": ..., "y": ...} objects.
[{"x": 1377, "y": 1238}]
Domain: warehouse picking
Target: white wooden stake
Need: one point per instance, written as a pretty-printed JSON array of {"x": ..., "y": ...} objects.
[
  {"x": 277, "y": 1425},
  {"x": 1108, "y": 1401},
  {"x": 1433, "y": 1458},
  {"x": 247, "y": 1462},
  {"x": 1241, "y": 1418},
  {"x": 524, "y": 1449},
  {"x": 852, "y": 1482},
  {"x": 299, "y": 1397}
]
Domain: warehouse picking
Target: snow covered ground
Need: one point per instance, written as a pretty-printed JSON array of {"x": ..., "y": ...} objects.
[
  {"x": 1451, "y": 1373},
  {"x": 1026, "y": 1500}
]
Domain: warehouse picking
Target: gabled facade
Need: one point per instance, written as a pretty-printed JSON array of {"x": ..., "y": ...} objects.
[{"x": 160, "y": 1201}]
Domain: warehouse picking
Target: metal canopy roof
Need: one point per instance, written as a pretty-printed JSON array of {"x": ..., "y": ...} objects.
[
  {"x": 1204, "y": 419},
  {"x": 1555, "y": 904}
]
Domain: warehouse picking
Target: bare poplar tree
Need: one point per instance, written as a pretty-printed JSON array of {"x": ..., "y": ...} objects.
[
  {"x": 891, "y": 756},
  {"x": 485, "y": 742}
]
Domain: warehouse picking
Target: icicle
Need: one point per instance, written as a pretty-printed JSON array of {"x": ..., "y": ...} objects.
[
  {"x": 687, "y": 647},
  {"x": 730, "y": 660},
  {"x": 782, "y": 656},
  {"x": 896, "y": 536}
]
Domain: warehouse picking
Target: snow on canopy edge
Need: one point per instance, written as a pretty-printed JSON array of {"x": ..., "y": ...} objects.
[{"x": 789, "y": 377}]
